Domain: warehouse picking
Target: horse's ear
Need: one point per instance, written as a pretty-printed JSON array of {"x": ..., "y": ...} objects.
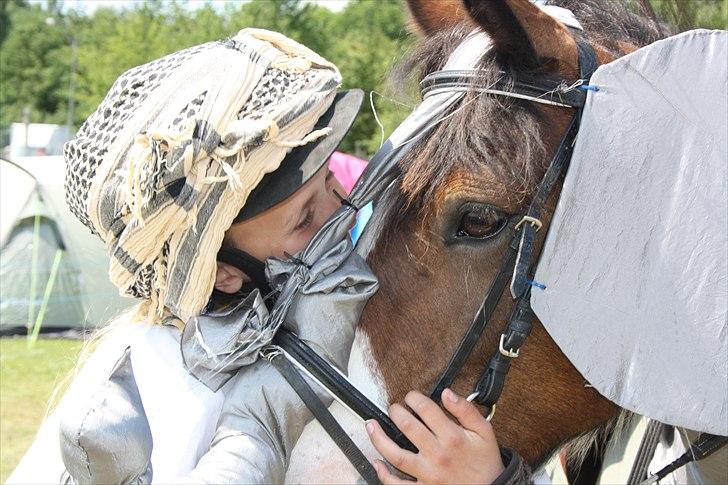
[
  {"x": 431, "y": 16},
  {"x": 524, "y": 35}
]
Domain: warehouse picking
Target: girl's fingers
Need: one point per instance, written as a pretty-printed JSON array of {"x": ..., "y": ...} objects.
[
  {"x": 386, "y": 477},
  {"x": 412, "y": 427},
  {"x": 467, "y": 414},
  {"x": 430, "y": 413},
  {"x": 402, "y": 459}
]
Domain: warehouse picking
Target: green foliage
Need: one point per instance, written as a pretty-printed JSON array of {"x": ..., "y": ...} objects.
[
  {"x": 688, "y": 14},
  {"x": 367, "y": 43},
  {"x": 35, "y": 67},
  {"x": 364, "y": 40}
]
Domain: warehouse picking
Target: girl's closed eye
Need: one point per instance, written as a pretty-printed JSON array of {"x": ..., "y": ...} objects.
[{"x": 306, "y": 221}]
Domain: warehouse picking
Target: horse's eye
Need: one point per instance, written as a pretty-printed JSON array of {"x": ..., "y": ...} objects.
[{"x": 481, "y": 224}]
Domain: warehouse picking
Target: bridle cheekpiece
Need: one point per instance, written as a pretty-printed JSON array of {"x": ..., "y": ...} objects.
[{"x": 518, "y": 263}]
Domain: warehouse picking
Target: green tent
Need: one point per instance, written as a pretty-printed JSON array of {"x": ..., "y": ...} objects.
[{"x": 53, "y": 271}]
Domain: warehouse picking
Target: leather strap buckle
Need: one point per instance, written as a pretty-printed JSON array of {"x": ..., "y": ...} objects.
[
  {"x": 530, "y": 220},
  {"x": 491, "y": 413},
  {"x": 507, "y": 352}
]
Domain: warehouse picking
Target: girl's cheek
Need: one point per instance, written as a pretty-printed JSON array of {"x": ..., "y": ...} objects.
[{"x": 300, "y": 241}]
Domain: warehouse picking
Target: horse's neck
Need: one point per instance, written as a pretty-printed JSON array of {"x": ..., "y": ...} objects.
[{"x": 316, "y": 459}]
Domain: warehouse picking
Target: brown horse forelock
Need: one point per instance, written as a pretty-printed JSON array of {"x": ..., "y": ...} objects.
[{"x": 492, "y": 150}]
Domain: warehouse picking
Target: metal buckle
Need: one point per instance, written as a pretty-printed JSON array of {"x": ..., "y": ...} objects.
[
  {"x": 492, "y": 409},
  {"x": 508, "y": 353},
  {"x": 491, "y": 413},
  {"x": 531, "y": 220}
]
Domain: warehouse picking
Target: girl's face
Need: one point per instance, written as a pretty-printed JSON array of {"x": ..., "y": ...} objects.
[{"x": 284, "y": 228}]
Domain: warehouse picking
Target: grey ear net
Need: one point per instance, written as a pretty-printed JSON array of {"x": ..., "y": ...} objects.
[{"x": 633, "y": 270}]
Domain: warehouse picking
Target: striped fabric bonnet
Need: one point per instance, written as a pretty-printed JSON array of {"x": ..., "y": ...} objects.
[{"x": 165, "y": 163}]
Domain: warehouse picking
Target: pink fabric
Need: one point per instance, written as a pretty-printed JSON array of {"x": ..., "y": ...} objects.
[{"x": 346, "y": 168}]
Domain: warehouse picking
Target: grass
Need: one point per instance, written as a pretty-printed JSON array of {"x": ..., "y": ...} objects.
[{"x": 27, "y": 379}]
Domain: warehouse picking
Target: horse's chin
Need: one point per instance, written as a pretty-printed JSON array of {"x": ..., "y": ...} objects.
[{"x": 315, "y": 458}]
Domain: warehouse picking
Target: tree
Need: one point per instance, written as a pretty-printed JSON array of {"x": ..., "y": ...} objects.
[
  {"x": 368, "y": 37},
  {"x": 690, "y": 14},
  {"x": 5, "y": 5},
  {"x": 365, "y": 39},
  {"x": 34, "y": 66}
]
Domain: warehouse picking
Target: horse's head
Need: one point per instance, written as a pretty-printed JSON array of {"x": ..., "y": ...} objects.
[{"x": 451, "y": 218}]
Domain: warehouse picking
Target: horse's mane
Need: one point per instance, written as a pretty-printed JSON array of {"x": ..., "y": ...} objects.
[{"x": 503, "y": 132}]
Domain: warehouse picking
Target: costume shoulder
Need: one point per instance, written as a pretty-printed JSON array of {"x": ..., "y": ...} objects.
[{"x": 181, "y": 413}]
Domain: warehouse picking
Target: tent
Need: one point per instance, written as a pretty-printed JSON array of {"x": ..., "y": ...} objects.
[{"x": 53, "y": 271}]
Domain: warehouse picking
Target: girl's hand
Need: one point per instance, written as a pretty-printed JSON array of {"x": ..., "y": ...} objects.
[{"x": 449, "y": 452}]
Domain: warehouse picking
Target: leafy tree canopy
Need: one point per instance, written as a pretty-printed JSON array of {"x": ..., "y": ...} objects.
[{"x": 364, "y": 39}]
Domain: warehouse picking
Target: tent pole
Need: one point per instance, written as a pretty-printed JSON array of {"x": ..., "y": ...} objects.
[
  {"x": 46, "y": 296},
  {"x": 33, "y": 273}
]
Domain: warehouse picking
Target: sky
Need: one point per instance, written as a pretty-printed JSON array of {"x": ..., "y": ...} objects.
[{"x": 89, "y": 6}]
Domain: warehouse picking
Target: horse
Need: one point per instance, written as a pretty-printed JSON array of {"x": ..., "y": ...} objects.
[{"x": 443, "y": 234}]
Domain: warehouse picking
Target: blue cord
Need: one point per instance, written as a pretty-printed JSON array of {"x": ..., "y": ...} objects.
[
  {"x": 538, "y": 285},
  {"x": 362, "y": 218},
  {"x": 588, "y": 87}
]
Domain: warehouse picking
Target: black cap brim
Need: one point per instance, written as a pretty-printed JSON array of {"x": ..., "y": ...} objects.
[{"x": 303, "y": 162}]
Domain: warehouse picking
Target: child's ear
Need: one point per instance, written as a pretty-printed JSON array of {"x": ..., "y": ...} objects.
[{"x": 229, "y": 279}]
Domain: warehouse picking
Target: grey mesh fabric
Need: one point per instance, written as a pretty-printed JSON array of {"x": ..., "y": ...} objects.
[
  {"x": 321, "y": 303},
  {"x": 634, "y": 263},
  {"x": 216, "y": 345}
]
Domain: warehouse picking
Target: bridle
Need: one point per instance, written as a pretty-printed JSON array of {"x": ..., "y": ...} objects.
[{"x": 518, "y": 263}]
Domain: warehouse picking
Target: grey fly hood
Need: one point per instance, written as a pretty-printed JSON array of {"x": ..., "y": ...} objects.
[{"x": 634, "y": 265}]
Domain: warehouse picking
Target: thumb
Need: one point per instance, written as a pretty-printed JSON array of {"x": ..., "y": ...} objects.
[{"x": 467, "y": 414}]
